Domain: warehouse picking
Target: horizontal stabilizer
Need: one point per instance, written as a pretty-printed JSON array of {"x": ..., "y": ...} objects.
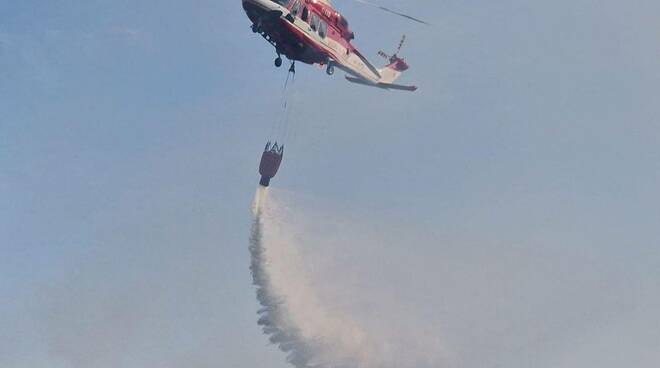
[{"x": 398, "y": 87}]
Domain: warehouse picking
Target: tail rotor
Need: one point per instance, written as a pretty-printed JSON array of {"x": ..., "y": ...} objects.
[{"x": 394, "y": 57}]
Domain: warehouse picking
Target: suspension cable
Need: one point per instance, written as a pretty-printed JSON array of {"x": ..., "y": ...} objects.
[{"x": 276, "y": 127}]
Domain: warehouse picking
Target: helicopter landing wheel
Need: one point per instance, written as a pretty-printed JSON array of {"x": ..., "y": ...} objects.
[
  {"x": 330, "y": 70},
  {"x": 278, "y": 62}
]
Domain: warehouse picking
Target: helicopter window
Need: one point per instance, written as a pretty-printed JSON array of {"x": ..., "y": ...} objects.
[
  {"x": 343, "y": 22},
  {"x": 315, "y": 22},
  {"x": 295, "y": 8},
  {"x": 323, "y": 29},
  {"x": 305, "y": 14}
]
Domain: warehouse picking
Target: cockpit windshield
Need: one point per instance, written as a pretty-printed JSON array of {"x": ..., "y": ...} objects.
[{"x": 284, "y": 3}]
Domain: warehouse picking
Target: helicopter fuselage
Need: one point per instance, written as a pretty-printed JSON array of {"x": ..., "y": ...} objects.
[{"x": 313, "y": 32}]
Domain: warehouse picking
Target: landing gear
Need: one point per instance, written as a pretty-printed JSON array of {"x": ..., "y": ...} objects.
[
  {"x": 278, "y": 62},
  {"x": 292, "y": 69},
  {"x": 330, "y": 70}
]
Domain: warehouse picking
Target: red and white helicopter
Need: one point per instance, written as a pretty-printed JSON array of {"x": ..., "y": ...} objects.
[{"x": 313, "y": 32}]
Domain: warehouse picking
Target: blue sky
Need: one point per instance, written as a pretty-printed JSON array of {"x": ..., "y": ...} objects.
[{"x": 130, "y": 133}]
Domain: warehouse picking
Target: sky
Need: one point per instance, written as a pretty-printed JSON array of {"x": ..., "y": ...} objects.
[{"x": 512, "y": 201}]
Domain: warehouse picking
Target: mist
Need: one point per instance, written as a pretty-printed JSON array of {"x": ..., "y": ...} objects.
[
  {"x": 343, "y": 286},
  {"x": 353, "y": 288},
  {"x": 315, "y": 315}
]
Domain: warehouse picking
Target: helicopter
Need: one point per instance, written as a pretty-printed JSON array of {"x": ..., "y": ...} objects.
[{"x": 313, "y": 32}]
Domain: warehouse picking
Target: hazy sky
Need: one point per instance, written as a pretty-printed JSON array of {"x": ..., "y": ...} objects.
[{"x": 513, "y": 200}]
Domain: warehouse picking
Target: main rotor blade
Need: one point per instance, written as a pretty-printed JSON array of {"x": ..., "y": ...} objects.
[
  {"x": 392, "y": 11},
  {"x": 398, "y": 49}
]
